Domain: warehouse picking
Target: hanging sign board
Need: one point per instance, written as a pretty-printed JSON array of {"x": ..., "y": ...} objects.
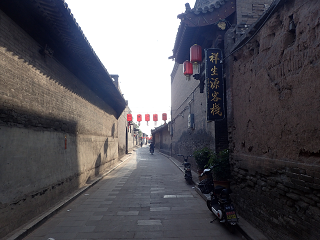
[{"x": 215, "y": 84}]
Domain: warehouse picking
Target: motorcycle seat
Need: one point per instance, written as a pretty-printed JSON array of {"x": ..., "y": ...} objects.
[
  {"x": 218, "y": 189},
  {"x": 225, "y": 195}
]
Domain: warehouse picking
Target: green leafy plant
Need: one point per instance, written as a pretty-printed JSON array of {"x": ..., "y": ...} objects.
[
  {"x": 202, "y": 157},
  {"x": 221, "y": 171}
]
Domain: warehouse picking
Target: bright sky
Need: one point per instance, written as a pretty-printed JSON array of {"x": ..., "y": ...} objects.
[{"x": 134, "y": 38}]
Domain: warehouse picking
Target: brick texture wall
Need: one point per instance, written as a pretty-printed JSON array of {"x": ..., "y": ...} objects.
[
  {"x": 126, "y": 134},
  {"x": 275, "y": 124},
  {"x": 186, "y": 99},
  {"x": 162, "y": 139},
  {"x": 42, "y": 105},
  {"x": 248, "y": 12}
]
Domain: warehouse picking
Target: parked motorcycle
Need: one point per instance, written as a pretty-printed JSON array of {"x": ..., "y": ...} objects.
[
  {"x": 206, "y": 185},
  {"x": 187, "y": 168},
  {"x": 151, "y": 148},
  {"x": 220, "y": 202}
]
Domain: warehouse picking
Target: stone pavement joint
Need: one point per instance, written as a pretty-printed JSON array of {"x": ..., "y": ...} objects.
[
  {"x": 141, "y": 199},
  {"x": 248, "y": 231},
  {"x": 29, "y": 227}
]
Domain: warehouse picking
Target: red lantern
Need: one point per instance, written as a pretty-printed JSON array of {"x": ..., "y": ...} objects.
[
  {"x": 196, "y": 54},
  {"x": 147, "y": 118},
  {"x": 155, "y": 117},
  {"x": 129, "y": 117},
  {"x": 164, "y": 117},
  {"x": 139, "y": 118},
  {"x": 187, "y": 69}
]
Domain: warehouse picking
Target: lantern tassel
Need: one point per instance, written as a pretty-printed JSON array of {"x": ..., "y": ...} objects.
[{"x": 196, "y": 68}]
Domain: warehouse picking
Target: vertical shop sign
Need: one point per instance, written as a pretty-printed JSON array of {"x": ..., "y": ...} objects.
[{"x": 215, "y": 84}]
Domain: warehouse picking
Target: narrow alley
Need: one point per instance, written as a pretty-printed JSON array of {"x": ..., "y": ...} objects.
[{"x": 144, "y": 198}]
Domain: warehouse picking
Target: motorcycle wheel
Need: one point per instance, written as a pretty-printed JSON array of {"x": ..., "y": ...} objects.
[
  {"x": 188, "y": 177},
  {"x": 231, "y": 228},
  {"x": 209, "y": 205},
  {"x": 206, "y": 186},
  {"x": 189, "y": 180}
]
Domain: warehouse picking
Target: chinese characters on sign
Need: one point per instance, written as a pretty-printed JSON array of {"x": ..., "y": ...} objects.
[{"x": 215, "y": 85}]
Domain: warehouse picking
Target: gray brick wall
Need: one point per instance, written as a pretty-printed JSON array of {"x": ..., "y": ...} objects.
[
  {"x": 126, "y": 133},
  {"x": 248, "y": 12},
  {"x": 41, "y": 105},
  {"x": 185, "y": 99},
  {"x": 162, "y": 139}
]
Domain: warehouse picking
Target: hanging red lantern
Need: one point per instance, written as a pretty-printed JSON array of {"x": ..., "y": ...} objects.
[
  {"x": 196, "y": 57},
  {"x": 139, "y": 118},
  {"x": 187, "y": 69},
  {"x": 155, "y": 117},
  {"x": 164, "y": 117},
  {"x": 129, "y": 117},
  {"x": 196, "y": 54},
  {"x": 147, "y": 118}
]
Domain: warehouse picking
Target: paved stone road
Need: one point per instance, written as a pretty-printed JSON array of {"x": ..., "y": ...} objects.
[{"x": 145, "y": 198}]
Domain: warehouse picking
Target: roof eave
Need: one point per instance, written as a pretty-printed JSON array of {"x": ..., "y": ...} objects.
[
  {"x": 51, "y": 23},
  {"x": 196, "y": 18}
]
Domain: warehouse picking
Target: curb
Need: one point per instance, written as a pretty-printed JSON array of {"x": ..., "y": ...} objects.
[{"x": 245, "y": 228}]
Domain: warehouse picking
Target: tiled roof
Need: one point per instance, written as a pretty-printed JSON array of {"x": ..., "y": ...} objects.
[
  {"x": 51, "y": 23},
  {"x": 205, "y": 3},
  {"x": 207, "y": 14},
  {"x": 159, "y": 128},
  {"x": 193, "y": 20}
]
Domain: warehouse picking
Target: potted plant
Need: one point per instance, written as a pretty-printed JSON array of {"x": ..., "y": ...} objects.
[
  {"x": 221, "y": 171},
  {"x": 202, "y": 157}
]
